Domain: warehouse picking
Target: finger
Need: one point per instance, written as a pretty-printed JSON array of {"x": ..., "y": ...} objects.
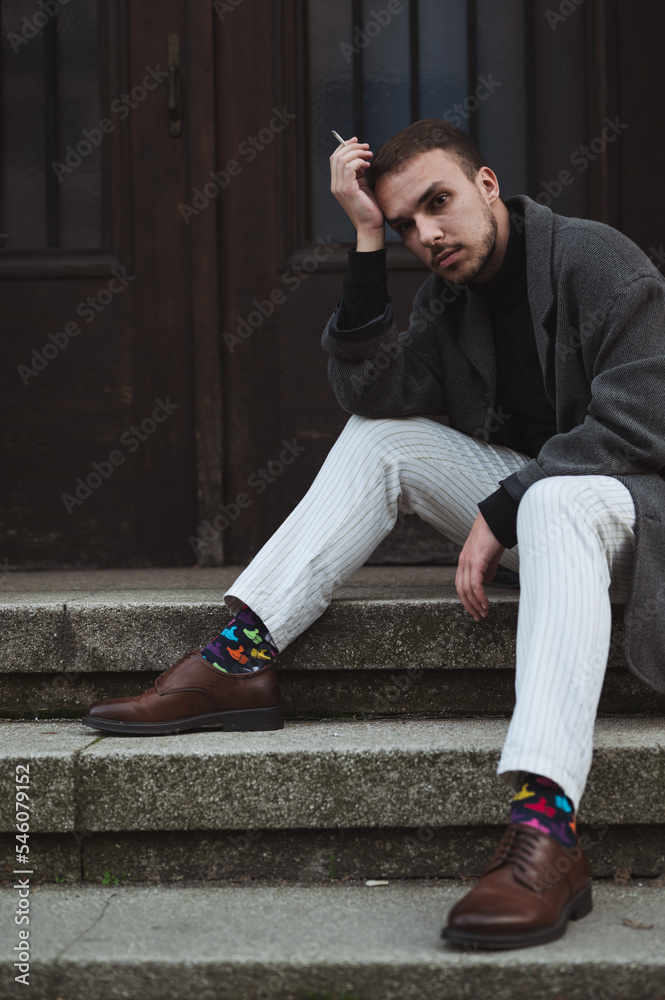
[
  {"x": 458, "y": 583},
  {"x": 473, "y": 593},
  {"x": 344, "y": 176},
  {"x": 480, "y": 601},
  {"x": 351, "y": 156},
  {"x": 471, "y": 597},
  {"x": 350, "y": 148},
  {"x": 464, "y": 591},
  {"x": 351, "y": 161}
]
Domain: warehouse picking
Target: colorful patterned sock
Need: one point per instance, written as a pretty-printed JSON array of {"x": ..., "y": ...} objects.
[
  {"x": 245, "y": 645},
  {"x": 543, "y": 804}
]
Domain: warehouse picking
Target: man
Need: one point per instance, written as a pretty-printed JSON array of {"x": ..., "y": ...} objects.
[{"x": 540, "y": 338}]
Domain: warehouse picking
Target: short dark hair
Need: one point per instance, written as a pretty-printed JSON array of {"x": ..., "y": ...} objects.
[{"x": 421, "y": 136}]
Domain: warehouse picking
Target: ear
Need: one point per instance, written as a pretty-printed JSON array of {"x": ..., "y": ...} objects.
[{"x": 489, "y": 182}]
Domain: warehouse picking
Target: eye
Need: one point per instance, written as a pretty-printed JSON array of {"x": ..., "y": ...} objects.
[{"x": 437, "y": 202}]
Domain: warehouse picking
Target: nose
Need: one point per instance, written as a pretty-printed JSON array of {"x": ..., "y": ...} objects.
[{"x": 429, "y": 231}]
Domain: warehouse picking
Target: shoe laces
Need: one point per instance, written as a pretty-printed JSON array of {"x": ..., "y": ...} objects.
[
  {"x": 516, "y": 848},
  {"x": 177, "y": 663}
]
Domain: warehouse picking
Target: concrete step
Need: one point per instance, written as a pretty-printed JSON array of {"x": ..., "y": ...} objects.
[
  {"x": 406, "y": 797},
  {"x": 395, "y": 641},
  {"x": 338, "y": 942}
]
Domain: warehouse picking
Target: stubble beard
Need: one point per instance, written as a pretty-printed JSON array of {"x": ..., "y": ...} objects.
[{"x": 486, "y": 250}]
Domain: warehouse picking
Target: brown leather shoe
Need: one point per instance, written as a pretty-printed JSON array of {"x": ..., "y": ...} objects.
[
  {"x": 526, "y": 895},
  {"x": 192, "y": 694}
]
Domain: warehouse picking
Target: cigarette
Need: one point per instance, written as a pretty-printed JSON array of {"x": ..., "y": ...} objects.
[{"x": 339, "y": 138}]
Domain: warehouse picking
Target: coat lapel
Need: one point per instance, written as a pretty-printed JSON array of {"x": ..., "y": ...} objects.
[
  {"x": 538, "y": 224},
  {"x": 475, "y": 337}
]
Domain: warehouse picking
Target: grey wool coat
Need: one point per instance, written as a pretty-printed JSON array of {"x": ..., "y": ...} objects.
[{"x": 598, "y": 308}]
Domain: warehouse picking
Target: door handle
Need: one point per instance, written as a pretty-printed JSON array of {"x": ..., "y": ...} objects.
[{"x": 174, "y": 84}]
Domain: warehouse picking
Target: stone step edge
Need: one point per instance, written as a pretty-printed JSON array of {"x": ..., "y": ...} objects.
[
  {"x": 354, "y": 633},
  {"x": 388, "y": 772},
  {"x": 381, "y": 943}
]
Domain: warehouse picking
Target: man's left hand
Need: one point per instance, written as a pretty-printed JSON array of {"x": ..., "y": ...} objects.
[{"x": 478, "y": 563}]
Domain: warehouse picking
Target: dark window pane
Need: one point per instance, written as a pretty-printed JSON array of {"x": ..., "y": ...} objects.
[
  {"x": 361, "y": 72},
  {"x": 23, "y": 166},
  {"x": 331, "y": 103},
  {"x": 562, "y": 126},
  {"x": 442, "y": 71},
  {"x": 78, "y": 109},
  {"x": 386, "y": 73},
  {"x": 502, "y": 114},
  {"x": 50, "y": 92},
  {"x": 481, "y": 65}
]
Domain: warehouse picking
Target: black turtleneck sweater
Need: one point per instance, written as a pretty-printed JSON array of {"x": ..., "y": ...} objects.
[{"x": 525, "y": 418}]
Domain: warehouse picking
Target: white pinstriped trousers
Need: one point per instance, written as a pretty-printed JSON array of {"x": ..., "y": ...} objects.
[{"x": 574, "y": 553}]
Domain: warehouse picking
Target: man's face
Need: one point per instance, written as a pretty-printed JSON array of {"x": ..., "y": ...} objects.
[{"x": 441, "y": 216}]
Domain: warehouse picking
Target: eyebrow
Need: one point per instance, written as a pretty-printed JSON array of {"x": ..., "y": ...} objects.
[{"x": 424, "y": 196}]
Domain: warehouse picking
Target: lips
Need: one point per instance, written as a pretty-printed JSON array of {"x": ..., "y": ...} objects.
[{"x": 446, "y": 257}]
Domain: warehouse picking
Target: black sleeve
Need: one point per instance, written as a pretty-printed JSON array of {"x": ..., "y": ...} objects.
[
  {"x": 500, "y": 511},
  {"x": 376, "y": 371},
  {"x": 365, "y": 289}
]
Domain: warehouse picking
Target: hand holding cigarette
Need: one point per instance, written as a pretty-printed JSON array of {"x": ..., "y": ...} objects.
[{"x": 348, "y": 184}]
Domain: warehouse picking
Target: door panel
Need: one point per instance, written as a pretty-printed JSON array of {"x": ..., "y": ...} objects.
[{"x": 107, "y": 456}]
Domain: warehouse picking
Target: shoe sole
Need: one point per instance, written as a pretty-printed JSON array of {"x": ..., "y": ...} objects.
[
  {"x": 580, "y": 905},
  {"x": 247, "y": 720}
]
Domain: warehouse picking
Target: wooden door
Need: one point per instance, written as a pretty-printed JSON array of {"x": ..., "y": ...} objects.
[
  {"x": 110, "y": 387},
  {"x": 199, "y": 268}
]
